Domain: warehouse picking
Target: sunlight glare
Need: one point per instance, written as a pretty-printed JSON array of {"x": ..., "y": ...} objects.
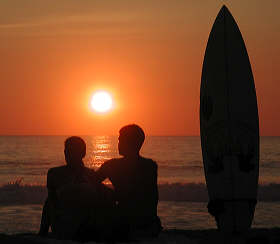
[{"x": 101, "y": 102}]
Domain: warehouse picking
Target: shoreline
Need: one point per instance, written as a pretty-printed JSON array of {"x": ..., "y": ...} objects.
[{"x": 255, "y": 235}]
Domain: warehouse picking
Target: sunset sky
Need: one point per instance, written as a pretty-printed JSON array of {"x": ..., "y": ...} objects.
[{"x": 147, "y": 53}]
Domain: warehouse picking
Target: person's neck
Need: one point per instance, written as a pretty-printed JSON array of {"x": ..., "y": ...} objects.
[
  {"x": 132, "y": 156},
  {"x": 76, "y": 164}
]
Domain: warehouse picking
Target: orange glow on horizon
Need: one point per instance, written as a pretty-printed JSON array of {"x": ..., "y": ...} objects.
[{"x": 149, "y": 59}]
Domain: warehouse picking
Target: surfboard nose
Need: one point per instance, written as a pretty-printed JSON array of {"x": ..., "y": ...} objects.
[
  {"x": 224, "y": 12},
  {"x": 224, "y": 8}
]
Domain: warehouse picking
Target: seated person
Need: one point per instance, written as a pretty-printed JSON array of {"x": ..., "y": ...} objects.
[
  {"x": 134, "y": 179},
  {"x": 77, "y": 204}
]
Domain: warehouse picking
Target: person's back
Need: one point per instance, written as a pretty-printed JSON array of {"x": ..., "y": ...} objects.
[
  {"x": 74, "y": 195},
  {"x": 135, "y": 182},
  {"x": 68, "y": 186}
]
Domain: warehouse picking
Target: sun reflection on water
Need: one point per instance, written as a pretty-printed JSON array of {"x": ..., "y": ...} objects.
[{"x": 100, "y": 149}]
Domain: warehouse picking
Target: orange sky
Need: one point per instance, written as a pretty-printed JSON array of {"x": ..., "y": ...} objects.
[{"x": 148, "y": 54}]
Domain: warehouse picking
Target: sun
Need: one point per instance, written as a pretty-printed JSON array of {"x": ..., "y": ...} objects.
[{"x": 101, "y": 102}]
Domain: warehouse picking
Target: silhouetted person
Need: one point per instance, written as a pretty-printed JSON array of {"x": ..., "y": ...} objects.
[
  {"x": 135, "y": 182},
  {"x": 78, "y": 206}
]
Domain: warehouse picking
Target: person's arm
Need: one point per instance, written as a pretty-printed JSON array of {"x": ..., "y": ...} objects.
[
  {"x": 155, "y": 169},
  {"x": 151, "y": 189},
  {"x": 45, "y": 224},
  {"x": 47, "y": 211},
  {"x": 91, "y": 176},
  {"x": 104, "y": 171},
  {"x": 51, "y": 195}
]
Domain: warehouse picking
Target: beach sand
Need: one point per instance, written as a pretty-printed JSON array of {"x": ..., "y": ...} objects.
[{"x": 263, "y": 236}]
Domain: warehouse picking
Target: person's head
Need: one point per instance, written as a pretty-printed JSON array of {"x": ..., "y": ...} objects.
[
  {"x": 74, "y": 150},
  {"x": 131, "y": 138}
]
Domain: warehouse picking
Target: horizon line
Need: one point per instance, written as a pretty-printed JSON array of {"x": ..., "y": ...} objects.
[{"x": 68, "y": 135}]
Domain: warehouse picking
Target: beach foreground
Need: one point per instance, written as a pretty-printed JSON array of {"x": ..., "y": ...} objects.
[{"x": 255, "y": 236}]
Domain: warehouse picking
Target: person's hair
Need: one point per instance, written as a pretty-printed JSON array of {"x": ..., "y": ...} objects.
[
  {"x": 133, "y": 134},
  {"x": 75, "y": 145}
]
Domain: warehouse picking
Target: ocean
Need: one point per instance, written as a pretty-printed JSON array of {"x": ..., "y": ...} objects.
[{"x": 25, "y": 160}]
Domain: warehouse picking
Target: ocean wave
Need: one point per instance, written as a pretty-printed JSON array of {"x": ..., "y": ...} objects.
[
  {"x": 26, "y": 163},
  {"x": 193, "y": 192},
  {"x": 180, "y": 167},
  {"x": 270, "y": 164},
  {"x": 18, "y": 193}
]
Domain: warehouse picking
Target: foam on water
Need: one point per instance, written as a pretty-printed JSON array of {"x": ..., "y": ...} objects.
[{"x": 18, "y": 193}]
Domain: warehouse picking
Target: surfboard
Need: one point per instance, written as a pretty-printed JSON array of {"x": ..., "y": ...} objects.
[{"x": 229, "y": 126}]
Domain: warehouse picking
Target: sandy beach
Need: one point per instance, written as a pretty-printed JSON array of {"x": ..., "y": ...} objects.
[{"x": 271, "y": 236}]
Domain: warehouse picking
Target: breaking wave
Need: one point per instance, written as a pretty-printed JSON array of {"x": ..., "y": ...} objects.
[{"x": 18, "y": 193}]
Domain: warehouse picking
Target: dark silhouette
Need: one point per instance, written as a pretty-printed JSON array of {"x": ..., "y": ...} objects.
[
  {"x": 78, "y": 206},
  {"x": 229, "y": 127},
  {"x": 134, "y": 179}
]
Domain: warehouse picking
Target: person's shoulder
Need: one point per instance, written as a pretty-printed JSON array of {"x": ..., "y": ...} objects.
[
  {"x": 112, "y": 161},
  {"x": 89, "y": 171},
  {"x": 149, "y": 162},
  {"x": 55, "y": 175},
  {"x": 109, "y": 164},
  {"x": 57, "y": 170}
]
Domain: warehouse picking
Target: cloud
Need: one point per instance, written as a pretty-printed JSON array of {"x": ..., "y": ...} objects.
[{"x": 18, "y": 25}]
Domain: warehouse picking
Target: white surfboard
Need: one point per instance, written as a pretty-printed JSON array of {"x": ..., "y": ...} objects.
[{"x": 229, "y": 126}]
